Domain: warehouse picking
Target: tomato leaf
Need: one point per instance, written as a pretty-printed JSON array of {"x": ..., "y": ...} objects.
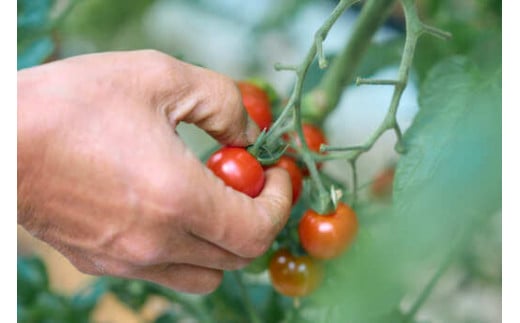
[
  {"x": 446, "y": 183},
  {"x": 34, "y": 43},
  {"x": 451, "y": 172}
]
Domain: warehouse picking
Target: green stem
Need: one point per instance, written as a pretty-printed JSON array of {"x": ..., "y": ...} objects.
[
  {"x": 322, "y": 100},
  {"x": 354, "y": 182},
  {"x": 253, "y": 316},
  {"x": 414, "y": 29},
  {"x": 293, "y": 106},
  {"x": 301, "y": 70}
]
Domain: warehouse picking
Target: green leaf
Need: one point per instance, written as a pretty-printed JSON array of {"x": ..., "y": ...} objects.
[
  {"x": 32, "y": 278},
  {"x": 453, "y": 163},
  {"x": 101, "y": 21},
  {"x": 446, "y": 184},
  {"x": 168, "y": 316},
  {"x": 51, "y": 307},
  {"x": 35, "y": 52},
  {"x": 132, "y": 293},
  {"x": 34, "y": 43},
  {"x": 85, "y": 300}
]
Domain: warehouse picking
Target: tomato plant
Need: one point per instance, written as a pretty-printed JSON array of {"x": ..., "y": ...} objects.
[
  {"x": 327, "y": 236},
  {"x": 238, "y": 169},
  {"x": 292, "y": 275},
  {"x": 443, "y": 197},
  {"x": 257, "y": 103}
]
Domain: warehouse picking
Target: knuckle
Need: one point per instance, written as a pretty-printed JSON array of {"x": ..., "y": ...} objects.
[
  {"x": 257, "y": 248},
  {"x": 143, "y": 256},
  {"x": 139, "y": 252}
]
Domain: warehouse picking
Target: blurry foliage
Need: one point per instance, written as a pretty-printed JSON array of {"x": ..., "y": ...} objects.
[
  {"x": 37, "y": 302},
  {"x": 99, "y": 21},
  {"x": 476, "y": 27},
  {"x": 34, "y": 40}
]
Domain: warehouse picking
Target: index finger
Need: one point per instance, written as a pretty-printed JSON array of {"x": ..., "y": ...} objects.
[{"x": 193, "y": 94}]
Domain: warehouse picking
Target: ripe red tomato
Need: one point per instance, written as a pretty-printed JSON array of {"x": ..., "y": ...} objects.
[
  {"x": 292, "y": 275},
  {"x": 256, "y": 101},
  {"x": 381, "y": 187},
  {"x": 314, "y": 137},
  {"x": 295, "y": 173},
  {"x": 238, "y": 169},
  {"x": 327, "y": 236}
]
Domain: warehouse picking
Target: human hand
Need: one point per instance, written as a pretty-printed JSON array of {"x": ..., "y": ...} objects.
[{"x": 104, "y": 178}]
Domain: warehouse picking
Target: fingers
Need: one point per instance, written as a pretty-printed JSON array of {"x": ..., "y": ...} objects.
[
  {"x": 199, "y": 252},
  {"x": 241, "y": 225},
  {"x": 216, "y": 107},
  {"x": 182, "y": 277},
  {"x": 193, "y": 94},
  {"x": 183, "y": 92}
]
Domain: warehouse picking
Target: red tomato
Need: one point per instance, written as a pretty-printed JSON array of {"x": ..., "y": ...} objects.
[
  {"x": 294, "y": 276},
  {"x": 295, "y": 173},
  {"x": 238, "y": 169},
  {"x": 327, "y": 236},
  {"x": 314, "y": 137},
  {"x": 382, "y": 185},
  {"x": 256, "y": 102}
]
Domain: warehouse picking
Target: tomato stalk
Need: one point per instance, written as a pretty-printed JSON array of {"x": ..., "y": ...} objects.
[
  {"x": 291, "y": 113},
  {"x": 318, "y": 103},
  {"x": 342, "y": 71}
]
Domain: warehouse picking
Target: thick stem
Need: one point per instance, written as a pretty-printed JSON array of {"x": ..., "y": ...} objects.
[{"x": 321, "y": 101}]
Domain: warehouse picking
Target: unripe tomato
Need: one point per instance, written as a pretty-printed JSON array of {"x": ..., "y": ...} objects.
[
  {"x": 292, "y": 275},
  {"x": 238, "y": 169},
  {"x": 327, "y": 236},
  {"x": 295, "y": 173},
  {"x": 256, "y": 101}
]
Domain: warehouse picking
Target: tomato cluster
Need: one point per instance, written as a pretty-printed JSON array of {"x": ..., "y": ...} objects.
[{"x": 295, "y": 267}]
